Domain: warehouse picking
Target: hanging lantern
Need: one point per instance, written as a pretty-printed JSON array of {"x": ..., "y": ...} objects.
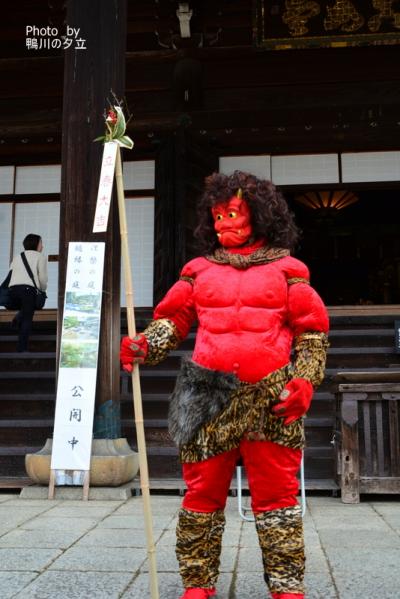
[{"x": 333, "y": 200}]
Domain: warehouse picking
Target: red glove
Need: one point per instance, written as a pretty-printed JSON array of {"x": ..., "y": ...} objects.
[
  {"x": 133, "y": 351},
  {"x": 294, "y": 401}
]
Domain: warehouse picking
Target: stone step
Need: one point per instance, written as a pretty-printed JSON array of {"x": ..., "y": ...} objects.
[{"x": 27, "y": 419}]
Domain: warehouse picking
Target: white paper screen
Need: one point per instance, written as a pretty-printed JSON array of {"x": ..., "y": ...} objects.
[
  {"x": 260, "y": 166},
  {"x": 140, "y": 223}
]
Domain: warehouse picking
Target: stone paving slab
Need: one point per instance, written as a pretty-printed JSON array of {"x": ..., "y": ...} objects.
[
  {"x": 73, "y": 549},
  {"x": 26, "y": 558},
  {"x": 390, "y": 514},
  {"x": 4, "y": 529},
  {"x": 44, "y": 539},
  {"x": 376, "y": 538},
  {"x": 114, "y": 559},
  {"x": 348, "y": 523},
  {"x": 80, "y": 503},
  {"x": 16, "y": 501},
  {"x": 249, "y": 560},
  {"x": 134, "y": 522},
  {"x": 376, "y": 585},
  {"x": 42, "y": 523},
  {"x": 316, "y": 559},
  {"x": 65, "y": 511},
  {"x": 321, "y": 586},
  {"x": 311, "y": 536},
  {"x": 386, "y": 507},
  {"x": 80, "y": 585},
  {"x": 158, "y": 505},
  {"x": 247, "y": 534},
  {"x": 170, "y": 587},
  {"x": 6, "y": 496},
  {"x": 11, "y": 582},
  {"x": 167, "y": 538},
  {"x": 112, "y": 537},
  {"x": 166, "y": 560},
  {"x": 366, "y": 560},
  {"x": 21, "y": 513},
  {"x": 249, "y": 585}
]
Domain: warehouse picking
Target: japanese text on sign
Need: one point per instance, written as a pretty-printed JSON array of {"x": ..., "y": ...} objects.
[{"x": 77, "y": 373}]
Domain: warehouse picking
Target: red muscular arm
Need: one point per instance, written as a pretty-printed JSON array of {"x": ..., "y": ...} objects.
[
  {"x": 172, "y": 320},
  {"x": 308, "y": 318}
]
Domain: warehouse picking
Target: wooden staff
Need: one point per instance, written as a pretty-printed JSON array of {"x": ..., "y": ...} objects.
[{"x": 137, "y": 394}]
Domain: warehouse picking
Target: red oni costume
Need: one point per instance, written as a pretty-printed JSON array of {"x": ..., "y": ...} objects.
[{"x": 241, "y": 395}]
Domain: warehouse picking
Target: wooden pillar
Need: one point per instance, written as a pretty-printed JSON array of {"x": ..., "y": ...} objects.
[
  {"x": 181, "y": 167},
  {"x": 89, "y": 76}
]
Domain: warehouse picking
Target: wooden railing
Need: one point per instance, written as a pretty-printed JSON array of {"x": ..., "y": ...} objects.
[{"x": 368, "y": 434}]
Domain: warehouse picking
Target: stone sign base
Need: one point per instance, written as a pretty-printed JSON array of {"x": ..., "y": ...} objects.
[{"x": 113, "y": 463}]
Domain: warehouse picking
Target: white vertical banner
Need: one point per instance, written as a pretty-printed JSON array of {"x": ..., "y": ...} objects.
[
  {"x": 76, "y": 388},
  {"x": 105, "y": 187}
]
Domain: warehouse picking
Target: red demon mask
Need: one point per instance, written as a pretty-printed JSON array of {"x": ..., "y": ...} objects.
[{"x": 232, "y": 221}]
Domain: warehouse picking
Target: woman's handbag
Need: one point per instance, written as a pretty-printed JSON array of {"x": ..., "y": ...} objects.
[
  {"x": 41, "y": 296},
  {"x": 5, "y": 299}
]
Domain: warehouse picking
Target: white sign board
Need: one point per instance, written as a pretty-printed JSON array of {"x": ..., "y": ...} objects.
[
  {"x": 105, "y": 187},
  {"x": 76, "y": 388}
]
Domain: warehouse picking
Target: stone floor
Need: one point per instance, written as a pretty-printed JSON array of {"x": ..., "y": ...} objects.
[{"x": 68, "y": 549}]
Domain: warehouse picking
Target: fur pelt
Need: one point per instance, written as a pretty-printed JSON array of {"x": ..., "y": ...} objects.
[{"x": 199, "y": 395}]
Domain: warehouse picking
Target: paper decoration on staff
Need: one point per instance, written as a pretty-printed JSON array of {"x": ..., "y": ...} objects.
[
  {"x": 114, "y": 137},
  {"x": 105, "y": 187}
]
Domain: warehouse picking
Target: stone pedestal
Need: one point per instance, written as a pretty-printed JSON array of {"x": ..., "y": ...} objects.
[{"x": 113, "y": 463}]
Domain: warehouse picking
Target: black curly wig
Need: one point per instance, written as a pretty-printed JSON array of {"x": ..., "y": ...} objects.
[{"x": 270, "y": 215}]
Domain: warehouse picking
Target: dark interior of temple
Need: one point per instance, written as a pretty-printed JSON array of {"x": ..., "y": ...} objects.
[{"x": 353, "y": 252}]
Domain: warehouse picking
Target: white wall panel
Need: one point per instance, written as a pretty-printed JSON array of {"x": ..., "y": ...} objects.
[
  {"x": 260, "y": 166},
  {"x": 7, "y": 179},
  {"x": 370, "y": 166},
  {"x": 303, "y": 169},
  {"x": 139, "y": 174},
  {"x": 5, "y": 239},
  {"x": 42, "y": 219},
  {"x": 38, "y": 179},
  {"x": 140, "y": 223}
]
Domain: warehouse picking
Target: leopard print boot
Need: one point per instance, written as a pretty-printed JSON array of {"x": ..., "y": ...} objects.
[
  {"x": 198, "y": 547},
  {"x": 280, "y": 534}
]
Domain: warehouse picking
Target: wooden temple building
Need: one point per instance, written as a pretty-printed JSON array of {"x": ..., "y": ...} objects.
[{"x": 306, "y": 94}]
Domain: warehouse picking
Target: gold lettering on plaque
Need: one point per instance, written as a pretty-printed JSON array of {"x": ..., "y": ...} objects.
[
  {"x": 297, "y": 14},
  {"x": 385, "y": 13},
  {"x": 343, "y": 14}
]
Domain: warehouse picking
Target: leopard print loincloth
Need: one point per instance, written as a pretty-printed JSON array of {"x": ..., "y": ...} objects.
[{"x": 247, "y": 414}]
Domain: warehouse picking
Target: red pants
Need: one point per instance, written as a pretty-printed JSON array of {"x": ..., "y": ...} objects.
[{"x": 271, "y": 471}]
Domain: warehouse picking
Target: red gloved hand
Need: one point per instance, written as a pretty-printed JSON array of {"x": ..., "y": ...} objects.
[
  {"x": 294, "y": 401},
  {"x": 133, "y": 350}
]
